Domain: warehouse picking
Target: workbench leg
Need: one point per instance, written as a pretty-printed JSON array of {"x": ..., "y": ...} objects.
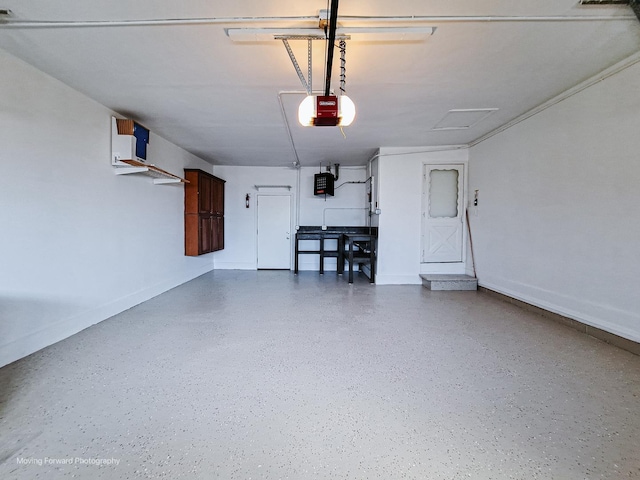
[
  {"x": 350, "y": 262},
  {"x": 295, "y": 268},
  {"x": 322, "y": 256},
  {"x": 340, "y": 267},
  {"x": 372, "y": 262}
]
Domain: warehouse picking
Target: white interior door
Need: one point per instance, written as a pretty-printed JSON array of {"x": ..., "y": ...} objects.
[
  {"x": 274, "y": 231},
  {"x": 442, "y": 213}
]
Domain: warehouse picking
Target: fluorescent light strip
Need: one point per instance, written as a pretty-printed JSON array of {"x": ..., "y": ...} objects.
[{"x": 371, "y": 34}]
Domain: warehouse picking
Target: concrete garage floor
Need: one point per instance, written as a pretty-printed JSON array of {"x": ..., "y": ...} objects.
[{"x": 267, "y": 375}]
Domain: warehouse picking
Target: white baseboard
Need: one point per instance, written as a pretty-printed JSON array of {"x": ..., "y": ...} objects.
[
  {"x": 554, "y": 307},
  {"x": 66, "y": 327},
  {"x": 382, "y": 279},
  {"x": 235, "y": 265}
]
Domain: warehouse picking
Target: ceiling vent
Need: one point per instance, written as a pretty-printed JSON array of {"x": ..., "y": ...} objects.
[{"x": 461, "y": 119}]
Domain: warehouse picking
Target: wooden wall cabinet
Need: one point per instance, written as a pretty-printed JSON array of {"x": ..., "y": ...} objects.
[{"x": 203, "y": 213}]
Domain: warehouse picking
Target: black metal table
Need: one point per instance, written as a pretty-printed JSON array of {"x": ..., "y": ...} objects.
[
  {"x": 360, "y": 248},
  {"x": 329, "y": 233},
  {"x": 321, "y": 237}
]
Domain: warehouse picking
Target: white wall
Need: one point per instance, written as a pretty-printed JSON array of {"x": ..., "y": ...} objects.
[
  {"x": 240, "y": 247},
  {"x": 78, "y": 244},
  {"x": 400, "y": 201},
  {"x": 557, "y": 223},
  {"x": 346, "y": 207}
]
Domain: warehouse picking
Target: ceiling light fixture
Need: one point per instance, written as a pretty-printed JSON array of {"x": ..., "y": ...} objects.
[{"x": 326, "y": 111}]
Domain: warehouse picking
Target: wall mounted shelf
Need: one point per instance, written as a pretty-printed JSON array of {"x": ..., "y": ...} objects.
[
  {"x": 160, "y": 177},
  {"x": 129, "y": 152}
]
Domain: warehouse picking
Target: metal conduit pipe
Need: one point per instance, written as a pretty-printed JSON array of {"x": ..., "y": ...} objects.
[
  {"x": 16, "y": 23},
  {"x": 487, "y": 18}
]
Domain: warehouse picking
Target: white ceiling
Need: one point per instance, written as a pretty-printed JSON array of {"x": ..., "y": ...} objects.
[{"x": 218, "y": 99}]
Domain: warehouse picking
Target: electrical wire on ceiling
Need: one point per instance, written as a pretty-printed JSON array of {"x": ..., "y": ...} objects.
[{"x": 296, "y": 161}]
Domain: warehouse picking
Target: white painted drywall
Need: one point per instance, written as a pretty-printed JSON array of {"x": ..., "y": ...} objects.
[
  {"x": 557, "y": 223},
  {"x": 400, "y": 200},
  {"x": 240, "y": 236},
  {"x": 78, "y": 243},
  {"x": 346, "y": 207}
]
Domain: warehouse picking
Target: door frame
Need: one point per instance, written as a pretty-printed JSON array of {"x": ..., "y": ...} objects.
[
  {"x": 445, "y": 267},
  {"x": 291, "y": 223}
]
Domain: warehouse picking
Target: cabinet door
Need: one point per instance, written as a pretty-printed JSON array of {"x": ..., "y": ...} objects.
[
  {"x": 221, "y": 233},
  {"x": 204, "y": 211},
  {"x": 218, "y": 234},
  {"x": 206, "y": 234},
  {"x": 218, "y": 197},
  {"x": 205, "y": 194}
]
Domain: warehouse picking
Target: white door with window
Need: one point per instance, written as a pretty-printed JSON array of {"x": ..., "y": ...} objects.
[
  {"x": 274, "y": 232},
  {"x": 442, "y": 213}
]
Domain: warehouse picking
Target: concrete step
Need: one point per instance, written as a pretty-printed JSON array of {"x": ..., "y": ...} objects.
[{"x": 449, "y": 282}]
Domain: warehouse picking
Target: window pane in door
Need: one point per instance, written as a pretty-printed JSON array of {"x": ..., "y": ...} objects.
[{"x": 443, "y": 193}]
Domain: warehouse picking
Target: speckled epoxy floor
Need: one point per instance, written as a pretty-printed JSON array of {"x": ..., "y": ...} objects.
[{"x": 267, "y": 375}]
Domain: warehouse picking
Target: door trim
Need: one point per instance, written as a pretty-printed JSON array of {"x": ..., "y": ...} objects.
[
  {"x": 462, "y": 187},
  {"x": 291, "y": 226}
]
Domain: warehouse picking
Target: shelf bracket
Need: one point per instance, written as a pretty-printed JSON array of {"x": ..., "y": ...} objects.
[
  {"x": 161, "y": 177},
  {"x": 166, "y": 181},
  {"x": 127, "y": 170}
]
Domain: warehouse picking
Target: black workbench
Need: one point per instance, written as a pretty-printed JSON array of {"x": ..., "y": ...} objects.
[{"x": 349, "y": 239}]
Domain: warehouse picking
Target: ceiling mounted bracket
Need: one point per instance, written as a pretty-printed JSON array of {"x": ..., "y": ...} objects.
[
  {"x": 309, "y": 65},
  {"x": 306, "y": 84}
]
